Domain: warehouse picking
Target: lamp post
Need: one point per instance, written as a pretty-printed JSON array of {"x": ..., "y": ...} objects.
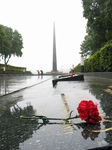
[
  {"x": 82, "y": 62},
  {"x": 4, "y": 68}
]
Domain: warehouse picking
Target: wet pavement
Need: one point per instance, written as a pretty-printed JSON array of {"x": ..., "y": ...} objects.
[{"x": 40, "y": 98}]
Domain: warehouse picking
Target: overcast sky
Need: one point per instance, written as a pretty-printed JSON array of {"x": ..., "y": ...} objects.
[{"x": 34, "y": 21}]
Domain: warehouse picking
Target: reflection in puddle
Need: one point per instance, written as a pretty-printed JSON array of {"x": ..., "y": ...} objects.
[
  {"x": 13, "y": 130},
  {"x": 10, "y": 84},
  {"x": 26, "y": 134},
  {"x": 87, "y": 131},
  {"x": 102, "y": 90}
]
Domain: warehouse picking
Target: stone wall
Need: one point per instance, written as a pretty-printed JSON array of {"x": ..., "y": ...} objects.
[{"x": 100, "y": 74}]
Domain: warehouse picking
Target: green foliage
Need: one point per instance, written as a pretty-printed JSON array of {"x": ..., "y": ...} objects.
[
  {"x": 77, "y": 68},
  {"x": 101, "y": 61},
  {"x": 13, "y": 70},
  {"x": 3, "y": 41},
  {"x": 99, "y": 25},
  {"x": 17, "y": 44},
  {"x": 11, "y": 43},
  {"x": 86, "y": 45},
  {"x": 87, "y": 64},
  {"x": 106, "y": 57}
]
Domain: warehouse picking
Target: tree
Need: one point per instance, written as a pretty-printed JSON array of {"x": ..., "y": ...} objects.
[
  {"x": 99, "y": 29},
  {"x": 86, "y": 46},
  {"x": 4, "y": 45},
  {"x": 11, "y": 43}
]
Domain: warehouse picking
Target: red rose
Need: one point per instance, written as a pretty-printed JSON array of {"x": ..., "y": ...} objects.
[{"x": 88, "y": 111}]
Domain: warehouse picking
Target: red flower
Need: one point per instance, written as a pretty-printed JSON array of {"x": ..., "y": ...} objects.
[{"x": 88, "y": 111}]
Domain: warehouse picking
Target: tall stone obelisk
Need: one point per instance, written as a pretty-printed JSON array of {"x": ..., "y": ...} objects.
[{"x": 54, "y": 67}]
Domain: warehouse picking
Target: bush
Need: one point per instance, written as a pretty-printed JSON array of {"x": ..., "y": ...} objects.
[
  {"x": 101, "y": 61},
  {"x": 77, "y": 68},
  {"x": 13, "y": 70}
]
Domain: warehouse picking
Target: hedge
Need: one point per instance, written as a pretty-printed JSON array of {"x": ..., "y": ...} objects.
[
  {"x": 13, "y": 70},
  {"x": 101, "y": 61}
]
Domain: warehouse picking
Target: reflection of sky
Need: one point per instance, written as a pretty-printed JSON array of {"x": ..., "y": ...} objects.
[
  {"x": 11, "y": 84},
  {"x": 47, "y": 101},
  {"x": 52, "y": 105}
]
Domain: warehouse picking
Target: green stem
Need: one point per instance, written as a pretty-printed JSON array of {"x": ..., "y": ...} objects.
[{"x": 45, "y": 119}]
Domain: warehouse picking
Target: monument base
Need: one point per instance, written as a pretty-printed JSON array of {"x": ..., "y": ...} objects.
[
  {"x": 54, "y": 73},
  {"x": 82, "y": 69}
]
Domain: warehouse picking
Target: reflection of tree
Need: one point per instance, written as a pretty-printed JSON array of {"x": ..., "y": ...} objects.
[
  {"x": 108, "y": 133},
  {"x": 4, "y": 87},
  {"x": 7, "y": 102},
  {"x": 106, "y": 103},
  {"x": 7, "y": 82},
  {"x": 106, "y": 98},
  {"x": 13, "y": 130}
]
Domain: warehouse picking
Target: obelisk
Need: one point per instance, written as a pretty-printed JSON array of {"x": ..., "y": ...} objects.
[{"x": 54, "y": 67}]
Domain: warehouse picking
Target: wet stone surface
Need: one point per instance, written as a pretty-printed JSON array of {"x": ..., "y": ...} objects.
[{"x": 43, "y": 99}]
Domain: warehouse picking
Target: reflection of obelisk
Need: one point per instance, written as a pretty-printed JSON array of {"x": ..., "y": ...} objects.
[{"x": 54, "y": 69}]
